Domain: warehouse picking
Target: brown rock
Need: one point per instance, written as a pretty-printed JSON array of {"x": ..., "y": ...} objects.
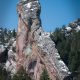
[{"x": 32, "y": 44}]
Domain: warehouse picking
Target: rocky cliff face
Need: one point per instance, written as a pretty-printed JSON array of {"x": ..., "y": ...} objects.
[{"x": 34, "y": 48}]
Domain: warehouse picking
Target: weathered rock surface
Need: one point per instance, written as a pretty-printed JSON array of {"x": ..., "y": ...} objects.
[
  {"x": 34, "y": 48},
  {"x": 10, "y": 64},
  {"x": 73, "y": 26}
]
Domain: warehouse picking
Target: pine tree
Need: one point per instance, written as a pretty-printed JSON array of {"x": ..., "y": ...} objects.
[
  {"x": 4, "y": 75},
  {"x": 68, "y": 48},
  {"x": 14, "y": 33},
  {"x": 44, "y": 75},
  {"x": 21, "y": 75}
]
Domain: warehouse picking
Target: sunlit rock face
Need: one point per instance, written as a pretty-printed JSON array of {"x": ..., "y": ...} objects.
[
  {"x": 34, "y": 48},
  {"x": 10, "y": 64}
]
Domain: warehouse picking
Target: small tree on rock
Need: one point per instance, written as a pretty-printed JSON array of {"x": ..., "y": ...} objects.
[{"x": 44, "y": 75}]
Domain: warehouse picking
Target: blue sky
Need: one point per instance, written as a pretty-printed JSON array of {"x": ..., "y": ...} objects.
[{"x": 55, "y": 13}]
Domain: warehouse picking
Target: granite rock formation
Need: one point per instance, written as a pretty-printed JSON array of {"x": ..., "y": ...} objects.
[{"x": 34, "y": 48}]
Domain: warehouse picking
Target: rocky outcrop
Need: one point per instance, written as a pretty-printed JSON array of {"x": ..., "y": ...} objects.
[
  {"x": 10, "y": 64},
  {"x": 34, "y": 48},
  {"x": 73, "y": 26}
]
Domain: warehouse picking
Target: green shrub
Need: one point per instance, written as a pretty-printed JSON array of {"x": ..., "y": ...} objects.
[
  {"x": 4, "y": 75},
  {"x": 44, "y": 75},
  {"x": 21, "y": 75}
]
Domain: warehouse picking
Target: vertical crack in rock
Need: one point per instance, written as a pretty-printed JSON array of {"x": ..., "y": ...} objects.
[{"x": 35, "y": 50}]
